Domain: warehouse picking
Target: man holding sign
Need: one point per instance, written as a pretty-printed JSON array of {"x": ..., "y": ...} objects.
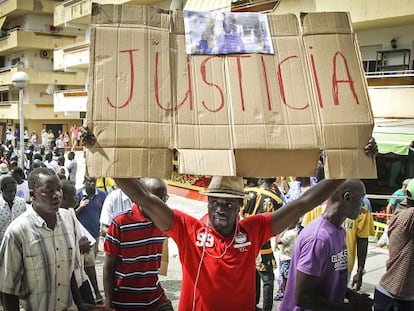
[{"x": 213, "y": 255}]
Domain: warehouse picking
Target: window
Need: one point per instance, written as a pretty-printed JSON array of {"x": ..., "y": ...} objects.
[{"x": 369, "y": 65}]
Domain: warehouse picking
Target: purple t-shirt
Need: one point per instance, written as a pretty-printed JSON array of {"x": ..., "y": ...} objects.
[{"x": 320, "y": 250}]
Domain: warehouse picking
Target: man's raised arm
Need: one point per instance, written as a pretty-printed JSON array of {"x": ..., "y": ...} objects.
[
  {"x": 290, "y": 213},
  {"x": 150, "y": 204}
]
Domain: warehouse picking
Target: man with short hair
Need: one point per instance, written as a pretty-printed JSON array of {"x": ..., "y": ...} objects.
[
  {"x": 393, "y": 203},
  {"x": 115, "y": 203},
  {"x": 69, "y": 202},
  {"x": 391, "y": 207},
  {"x": 88, "y": 211},
  {"x": 72, "y": 166},
  {"x": 4, "y": 171},
  {"x": 37, "y": 256},
  {"x": 357, "y": 232},
  {"x": 318, "y": 273},
  {"x": 263, "y": 199},
  {"x": 11, "y": 206},
  {"x": 132, "y": 244},
  {"x": 395, "y": 290},
  {"x": 22, "y": 185},
  {"x": 50, "y": 162}
]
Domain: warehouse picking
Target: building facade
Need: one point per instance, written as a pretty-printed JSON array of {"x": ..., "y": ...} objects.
[{"x": 27, "y": 40}]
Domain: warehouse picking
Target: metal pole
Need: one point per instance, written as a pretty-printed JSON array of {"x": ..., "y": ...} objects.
[{"x": 21, "y": 128}]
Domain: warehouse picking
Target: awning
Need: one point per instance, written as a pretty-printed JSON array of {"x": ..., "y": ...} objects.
[
  {"x": 210, "y": 5},
  {"x": 394, "y": 136}
]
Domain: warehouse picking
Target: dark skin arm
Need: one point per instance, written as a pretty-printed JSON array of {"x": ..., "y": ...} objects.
[
  {"x": 362, "y": 249},
  {"x": 75, "y": 291},
  {"x": 84, "y": 245},
  {"x": 307, "y": 296},
  {"x": 289, "y": 214},
  {"x": 108, "y": 278},
  {"x": 10, "y": 302},
  {"x": 150, "y": 204},
  {"x": 104, "y": 230},
  {"x": 77, "y": 297},
  {"x": 82, "y": 204}
]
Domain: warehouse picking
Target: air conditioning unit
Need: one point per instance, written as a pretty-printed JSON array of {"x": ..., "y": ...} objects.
[{"x": 44, "y": 54}]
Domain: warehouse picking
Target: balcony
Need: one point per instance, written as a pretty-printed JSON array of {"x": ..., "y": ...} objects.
[
  {"x": 70, "y": 100},
  {"x": 365, "y": 14},
  {"x": 74, "y": 12},
  {"x": 73, "y": 57},
  {"x": 18, "y": 40},
  {"x": 253, "y": 5},
  {"x": 44, "y": 77},
  {"x": 9, "y": 110},
  {"x": 78, "y": 12},
  {"x": 392, "y": 101},
  {"x": 23, "y": 7}
]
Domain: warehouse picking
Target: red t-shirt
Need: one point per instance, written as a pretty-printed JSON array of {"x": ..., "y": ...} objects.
[
  {"x": 225, "y": 280},
  {"x": 138, "y": 245}
]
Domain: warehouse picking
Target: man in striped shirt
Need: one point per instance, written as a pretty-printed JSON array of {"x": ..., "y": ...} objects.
[{"x": 133, "y": 248}]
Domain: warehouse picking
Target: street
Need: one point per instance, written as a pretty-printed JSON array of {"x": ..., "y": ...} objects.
[{"x": 375, "y": 263}]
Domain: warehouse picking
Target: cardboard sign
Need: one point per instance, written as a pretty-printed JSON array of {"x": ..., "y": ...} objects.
[{"x": 241, "y": 114}]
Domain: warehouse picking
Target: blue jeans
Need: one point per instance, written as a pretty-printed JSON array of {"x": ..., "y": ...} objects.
[{"x": 384, "y": 303}]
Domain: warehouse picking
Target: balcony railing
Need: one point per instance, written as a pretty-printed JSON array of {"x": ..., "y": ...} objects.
[
  {"x": 390, "y": 74},
  {"x": 7, "y": 103}
]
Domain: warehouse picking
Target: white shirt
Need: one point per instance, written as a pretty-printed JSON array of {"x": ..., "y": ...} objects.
[
  {"x": 53, "y": 165},
  {"x": 7, "y": 215},
  {"x": 72, "y": 167},
  {"x": 45, "y": 138},
  {"x": 115, "y": 203},
  {"x": 23, "y": 191}
]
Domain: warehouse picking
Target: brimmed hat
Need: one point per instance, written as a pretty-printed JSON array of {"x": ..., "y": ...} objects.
[
  {"x": 406, "y": 181},
  {"x": 3, "y": 168},
  {"x": 410, "y": 190},
  {"x": 226, "y": 187}
]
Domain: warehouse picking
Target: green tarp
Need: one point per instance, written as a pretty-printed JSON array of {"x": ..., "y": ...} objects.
[{"x": 397, "y": 143}]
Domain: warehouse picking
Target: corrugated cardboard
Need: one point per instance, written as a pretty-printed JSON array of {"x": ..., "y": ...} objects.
[
  {"x": 246, "y": 115},
  {"x": 342, "y": 96}
]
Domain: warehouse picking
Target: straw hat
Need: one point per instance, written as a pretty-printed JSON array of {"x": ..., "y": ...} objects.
[
  {"x": 226, "y": 187},
  {"x": 3, "y": 168}
]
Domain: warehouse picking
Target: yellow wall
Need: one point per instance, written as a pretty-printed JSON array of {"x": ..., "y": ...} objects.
[{"x": 364, "y": 13}]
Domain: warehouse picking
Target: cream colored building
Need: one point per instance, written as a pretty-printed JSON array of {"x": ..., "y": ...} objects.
[{"x": 27, "y": 41}]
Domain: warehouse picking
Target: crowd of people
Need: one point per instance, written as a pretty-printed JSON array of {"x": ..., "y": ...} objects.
[
  {"x": 309, "y": 232},
  {"x": 46, "y": 140}
]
